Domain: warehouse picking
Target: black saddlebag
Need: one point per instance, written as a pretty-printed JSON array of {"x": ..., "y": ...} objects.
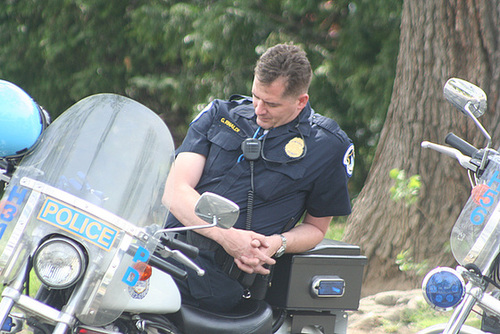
[{"x": 327, "y": 277}]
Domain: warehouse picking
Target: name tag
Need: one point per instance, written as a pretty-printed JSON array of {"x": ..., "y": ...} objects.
[{"x": 78, "y": 223}]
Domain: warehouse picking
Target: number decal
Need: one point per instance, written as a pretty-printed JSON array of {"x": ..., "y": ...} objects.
[
  {"x": 477, "y": 216},
  {"x": 484, "y": 196}
]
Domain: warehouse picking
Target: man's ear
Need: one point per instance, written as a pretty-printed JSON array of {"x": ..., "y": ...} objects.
[{"x": 303, "y": 99}]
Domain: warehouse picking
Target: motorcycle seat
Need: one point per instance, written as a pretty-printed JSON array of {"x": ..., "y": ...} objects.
[{"x": 251, "y": 317}]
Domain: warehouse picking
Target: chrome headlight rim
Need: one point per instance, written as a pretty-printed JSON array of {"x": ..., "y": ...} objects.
[
  {"x": 53, "y": 245},
  {"x": 434, "y": 288}
]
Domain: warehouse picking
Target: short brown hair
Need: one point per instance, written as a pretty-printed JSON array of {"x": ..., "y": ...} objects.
[{"x": 287, "y": 61}]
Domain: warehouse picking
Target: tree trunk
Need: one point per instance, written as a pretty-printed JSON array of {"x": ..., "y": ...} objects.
[{"x": 439, "y": 39}]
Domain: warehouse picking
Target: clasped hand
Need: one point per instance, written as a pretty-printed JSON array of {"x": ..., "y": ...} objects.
[{"x": 251, "y": 250}]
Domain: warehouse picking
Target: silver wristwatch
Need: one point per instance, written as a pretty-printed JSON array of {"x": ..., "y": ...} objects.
[{"x": 282, "y": 249}]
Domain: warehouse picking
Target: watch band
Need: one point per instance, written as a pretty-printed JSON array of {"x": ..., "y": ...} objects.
[{"x": 282, "y": 249}]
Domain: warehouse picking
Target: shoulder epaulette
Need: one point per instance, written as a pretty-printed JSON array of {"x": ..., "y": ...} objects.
[
  {"x": 331, "y": 126},
  {"x": 325, "y": 123},
  {"x": 242, "y": 98}
]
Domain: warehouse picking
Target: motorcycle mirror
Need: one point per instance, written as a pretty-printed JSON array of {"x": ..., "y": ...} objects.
[
  {"x": 214, "y": 208},
  {"x": 465, "y": 96}
]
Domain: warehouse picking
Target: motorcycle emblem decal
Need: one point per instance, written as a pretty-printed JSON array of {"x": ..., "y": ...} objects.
[
  {"x": 139, "y": 290},
  {"x": 78, "y": 223},
  {"x": 295, "y": 147},
  {"x": 349, "y": 160}
]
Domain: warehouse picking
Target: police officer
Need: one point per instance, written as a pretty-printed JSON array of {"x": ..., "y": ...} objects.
[{"x": 277, "y": 159}]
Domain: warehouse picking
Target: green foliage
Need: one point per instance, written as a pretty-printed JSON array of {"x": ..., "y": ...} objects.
[
  {"x": 406, "y": 263},
  {"x": 175, "y": 56},
  {"x": 363, "y": 68},
  {"x": 59, "y": 51},
  {"x": 406, "y": 189},
  {"x": 336, "y": 229}
]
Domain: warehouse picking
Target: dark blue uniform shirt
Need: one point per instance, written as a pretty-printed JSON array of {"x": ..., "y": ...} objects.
[{"x": 308, "y": 162}]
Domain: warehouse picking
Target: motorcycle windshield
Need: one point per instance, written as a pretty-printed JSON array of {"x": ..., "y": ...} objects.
[
  {"x": 475, "y": 237},
  {"x": 97, "y": 176}
]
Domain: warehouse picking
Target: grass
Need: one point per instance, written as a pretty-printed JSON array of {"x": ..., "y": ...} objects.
[
  {"x": 424, "y": 316},
  {"x": 414, "y": 320},
  {"x": 336, "y": 230},
  {"x": 34, "y": 284}
]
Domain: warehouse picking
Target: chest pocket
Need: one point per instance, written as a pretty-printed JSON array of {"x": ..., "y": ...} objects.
[
  {"x": 225, "y": 149},
  {"x": 279, "y": 180}
]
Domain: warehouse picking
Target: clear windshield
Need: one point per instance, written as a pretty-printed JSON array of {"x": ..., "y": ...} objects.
[
  {"x": 97, "y": 176},
  {"x": 475, "y": 237}
]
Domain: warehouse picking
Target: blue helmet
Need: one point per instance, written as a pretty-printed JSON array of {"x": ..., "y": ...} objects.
[{"x": 21, "y": 121}]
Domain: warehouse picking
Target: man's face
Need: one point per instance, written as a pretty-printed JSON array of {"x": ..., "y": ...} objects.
[{"x": 271, "y": 107}]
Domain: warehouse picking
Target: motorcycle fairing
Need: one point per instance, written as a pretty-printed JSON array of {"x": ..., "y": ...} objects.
[
  {"x": 105, "y": 159},
  {"x": 476, "y": 233}
]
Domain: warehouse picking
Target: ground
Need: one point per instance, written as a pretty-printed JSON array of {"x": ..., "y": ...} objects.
[{"x": 386, "y": 312}]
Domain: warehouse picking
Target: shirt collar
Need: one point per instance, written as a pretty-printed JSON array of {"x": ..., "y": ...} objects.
[{"x": 302, "y": 121}]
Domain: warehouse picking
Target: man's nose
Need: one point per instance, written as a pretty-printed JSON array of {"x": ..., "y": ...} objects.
[{"x": 259, "y": 107}]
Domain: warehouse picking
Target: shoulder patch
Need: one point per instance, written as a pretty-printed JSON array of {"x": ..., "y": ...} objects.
[{"x": 349, "y": 160}]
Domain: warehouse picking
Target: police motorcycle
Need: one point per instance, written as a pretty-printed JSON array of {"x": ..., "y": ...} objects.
[
  {"x": 475, "y": 237},
  {"x": 82, "y": 215}
]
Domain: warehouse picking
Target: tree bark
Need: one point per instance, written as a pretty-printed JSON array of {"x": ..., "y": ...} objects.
[{"x": 439, "y": 39}]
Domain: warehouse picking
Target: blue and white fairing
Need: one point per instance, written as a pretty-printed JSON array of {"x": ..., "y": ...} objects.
[{"x": 97, "y": 176}]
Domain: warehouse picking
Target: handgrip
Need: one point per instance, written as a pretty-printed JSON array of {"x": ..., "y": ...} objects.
[
  {"x": 172, "y": 243},
  {"x": 167, "y": 267},
  {"x": 460, "y": 144}
]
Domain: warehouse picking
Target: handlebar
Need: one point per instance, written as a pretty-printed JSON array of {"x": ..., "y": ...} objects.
[
  {"x": 172, "y": 243},
  {"x": 167, "y": 267},
  {"x": 452, "y": 152},
  {"x": 158, "y": 262}
]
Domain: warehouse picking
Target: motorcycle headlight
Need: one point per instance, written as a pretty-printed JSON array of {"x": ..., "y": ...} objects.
[
  {"x": 443, "y": 288},
  {"x": 59, "y": 263}
]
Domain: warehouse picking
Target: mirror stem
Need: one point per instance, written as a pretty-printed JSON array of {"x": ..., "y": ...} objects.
[
  {"x": 185, "y": 228},
  {"x": 485, "y": 133}
]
